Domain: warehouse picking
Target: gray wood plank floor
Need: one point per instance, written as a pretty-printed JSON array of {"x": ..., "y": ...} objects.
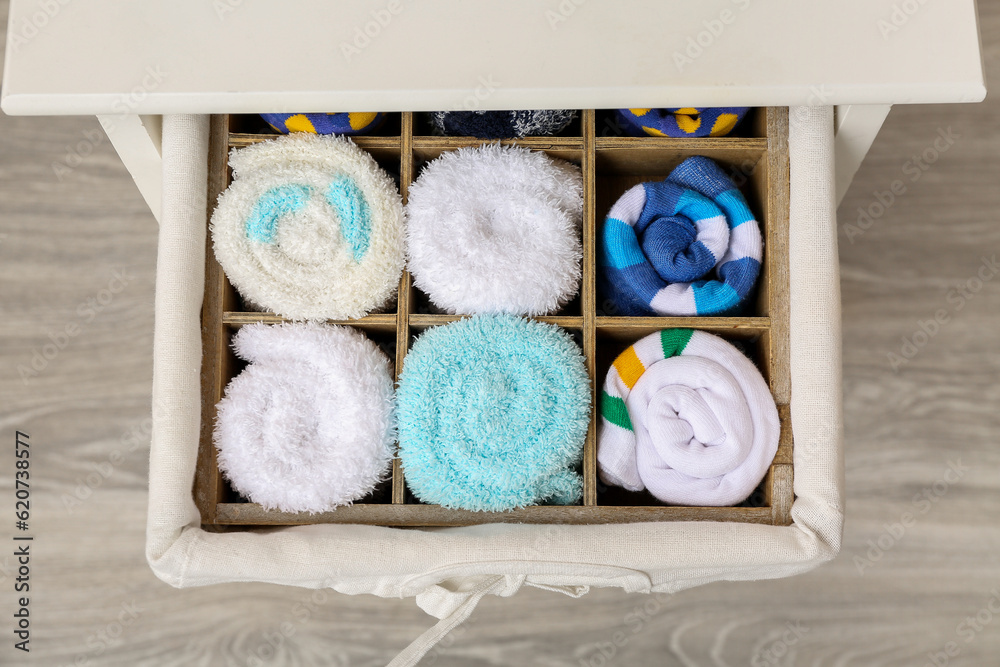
[{"x": 64, "y": 234}]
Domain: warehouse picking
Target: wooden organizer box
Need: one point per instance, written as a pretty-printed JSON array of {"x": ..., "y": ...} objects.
[{"x": 756, "y": 156}]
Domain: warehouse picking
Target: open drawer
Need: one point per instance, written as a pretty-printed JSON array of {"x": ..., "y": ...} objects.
[
  {"x": 793, "y": 334},
  {"x": 755, "y": 158}
]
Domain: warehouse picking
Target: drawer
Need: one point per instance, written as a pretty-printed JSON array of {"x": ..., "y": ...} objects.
[
  {"x": 755, "y": 157},
  {"x": 793, "y": 523}
]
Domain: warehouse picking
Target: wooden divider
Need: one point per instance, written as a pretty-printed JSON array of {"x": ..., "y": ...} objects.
[
  {"x": 403, "y": 304},
  {"x": 758, "y": 163}
]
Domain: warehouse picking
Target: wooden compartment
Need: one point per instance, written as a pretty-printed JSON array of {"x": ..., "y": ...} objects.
[
  {"x": 426, "y": 149},
  {"x": 757, "y": 159}
]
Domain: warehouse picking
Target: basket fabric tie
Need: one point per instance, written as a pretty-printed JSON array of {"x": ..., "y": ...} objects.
[
  {"x": 687, "y": 416},
  {"x": 311, "y": 228},
  {"x": 493, "y": 412},
  {"x": 662, "y": 242},
  {"x": 681, "y": 121},
  {"x": 325, "y": 123}
]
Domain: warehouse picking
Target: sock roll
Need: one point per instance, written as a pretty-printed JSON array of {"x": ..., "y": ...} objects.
[
  {"x": 681, "y": 121},
  {"x": 309, "y": 423},
  {"x": 493, "y": 412},
  {"x": 688, "y": 245},
  {"x": 496, "y": 229},
  {"x": 687, "y": 416},
  {"x": 325, "y": 123},
  {"x": 310, "y": 228}
]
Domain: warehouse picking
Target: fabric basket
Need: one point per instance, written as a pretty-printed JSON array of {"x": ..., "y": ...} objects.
[{"x": 448, "y": 570}]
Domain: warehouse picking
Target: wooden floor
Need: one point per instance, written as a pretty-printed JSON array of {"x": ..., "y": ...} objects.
[{"x": 65, "y": 232}]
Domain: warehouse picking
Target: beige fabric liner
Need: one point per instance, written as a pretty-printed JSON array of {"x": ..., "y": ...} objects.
[{"x": 446, "y": 567}]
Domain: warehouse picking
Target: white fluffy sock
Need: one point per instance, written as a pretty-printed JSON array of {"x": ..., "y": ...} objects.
[
  {"x": 496, "y": 229},
  {"x": 310, "y": 423},
  {"x": 314, "y": 257}
]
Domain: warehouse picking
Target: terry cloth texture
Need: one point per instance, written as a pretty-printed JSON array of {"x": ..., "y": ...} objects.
[
  {"x": 493, "y": 412},
  {"x": 325, "y": 123},
  {"x": 310, "y": 228},
  {"x": 687, "y": 416},
  {"x": 448, "y": 570},
  {"x": 688, "y": 245},
  {"x": 501, "y": 124},
  {"x": 309, "y": 424},
  {"x": 681, "y": 121},
  {"x": 496, "y": 229}
]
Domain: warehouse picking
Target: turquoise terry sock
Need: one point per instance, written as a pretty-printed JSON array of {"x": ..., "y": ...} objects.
[{"x": 493, "y": 412}]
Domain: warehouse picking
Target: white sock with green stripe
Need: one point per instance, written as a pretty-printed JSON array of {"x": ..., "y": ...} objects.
[{"x": 687, "y": 416}]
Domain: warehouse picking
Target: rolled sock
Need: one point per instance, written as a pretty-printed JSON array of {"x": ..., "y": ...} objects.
[
  {"x": 501, "y": 124},
  {"x": 687, "y": 245},
  {"x": 687, "y": 416},
  {"x": 493, "y": 413},
  {"x": 310, "y": 228},
  {"x": 325, "y": 123},
  {"x": 309, "y": 423},
  {"x": 496, "y": 229},
  {"x": 681, "y": 121}
]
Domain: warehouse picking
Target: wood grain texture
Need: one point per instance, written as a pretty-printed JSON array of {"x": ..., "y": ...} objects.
[
  {"x": 403, "y": 305},
  {"x": 374, "y": 144},
  {"x": 208, "y": 486},
  {"x": 422, "y": 321},
  {"x": 534, "y": 143},
  {"x": 729, "y": 147},
  {"x": 776, "y": 252},
  {"x": 588, "y": 302},
  {"x": 237, "y": 318},
  {"x": 251, "y": 514},
  {"x": 62, "y": 238}
]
